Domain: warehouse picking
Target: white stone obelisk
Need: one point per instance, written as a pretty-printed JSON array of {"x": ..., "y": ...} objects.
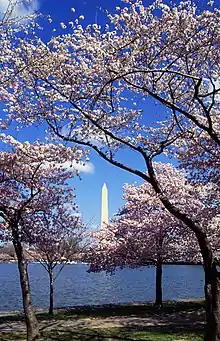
[{"x": 104, "y": 212}]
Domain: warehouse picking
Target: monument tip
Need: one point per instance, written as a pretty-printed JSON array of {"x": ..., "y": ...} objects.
[{"x": 104, "y": 210}]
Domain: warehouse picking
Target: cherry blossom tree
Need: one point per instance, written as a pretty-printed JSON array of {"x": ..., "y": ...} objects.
[
  {"x": 33, "y": 179},
  {"x": 58, "y": 238},
  {"x": 90, "y": 85},
  {"x": 17, "y": 17},
  {"x": 145, "y": 233}
]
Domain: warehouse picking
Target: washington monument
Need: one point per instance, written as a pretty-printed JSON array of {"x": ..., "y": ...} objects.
[{"x": 104, "y": 212}]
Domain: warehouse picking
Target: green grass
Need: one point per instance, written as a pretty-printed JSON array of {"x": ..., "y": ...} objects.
[
  {"x": 108, "y": 310},
  {"x": 126, "y": 310},
  {"x": 180, "y": 311},
  {"x": 111, "y": 334}
]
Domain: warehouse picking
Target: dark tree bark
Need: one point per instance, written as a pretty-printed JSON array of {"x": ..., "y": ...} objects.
[
  {"x": 50, "y": 271},
  {"x": 212, "y": 296},
  {"x": 30, "y": 318},
  {"x": 212, "y": 276},
  {"x": 159, "y": 292}
]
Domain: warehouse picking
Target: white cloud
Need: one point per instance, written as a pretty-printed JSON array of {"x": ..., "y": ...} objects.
[
  {"x": 97, "y": 141},
  {"x": 22, "y": 8},
  {"x": 94, "y": 227},
  {"x": 77, "y": 214},
  {"x": 69, "y": 208},
  {"x": 215, "y": 85},
  {"x": 82, "y": 167}
]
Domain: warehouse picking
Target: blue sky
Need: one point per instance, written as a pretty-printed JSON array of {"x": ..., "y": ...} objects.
[{"x": 88, "y": 190}]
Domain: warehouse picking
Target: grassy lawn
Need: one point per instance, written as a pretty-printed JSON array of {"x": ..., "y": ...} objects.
[
  {"x": 140, "y": 310},
  {"x": 103, "y": 311},
  {"x": 111, "y": 334},
  {"x": 167, "y": 331},
  {"x": 127, "y": 334}
]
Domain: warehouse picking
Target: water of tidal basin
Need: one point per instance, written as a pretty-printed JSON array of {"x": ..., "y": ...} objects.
[{"x": 75, "y": 286}]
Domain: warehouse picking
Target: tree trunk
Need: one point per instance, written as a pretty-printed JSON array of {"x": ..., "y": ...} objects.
[
  {"x": 30, "y": 318},
  {"x": 51, "y": 291},
  {"x": 212, "y": 296},
  {"x": 212, "y": 277},
  {"x": 159, "y": 295}
]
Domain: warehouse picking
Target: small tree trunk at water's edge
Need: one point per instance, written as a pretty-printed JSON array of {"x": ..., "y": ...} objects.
[
  {"x": 30, "y": 318},
  {"x": 51, "y": 290},
  {"x": 159, "y": 294}
]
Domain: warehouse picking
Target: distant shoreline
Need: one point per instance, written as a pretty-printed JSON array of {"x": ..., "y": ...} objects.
[{"x": 73, "y": 263}]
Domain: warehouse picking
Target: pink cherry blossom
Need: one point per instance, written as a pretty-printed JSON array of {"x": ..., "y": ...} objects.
[
  {"x": 145, "y": 233},
  {"x": 92, "y": 83},
  {"x": 34, "y": 185}
]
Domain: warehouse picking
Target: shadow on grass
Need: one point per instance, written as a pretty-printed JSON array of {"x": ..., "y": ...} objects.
[
  {"x": 126, "y": 334},
  {"x": 113, "y": 334},
  {"x": 12, "y": 337},
  {"x": 176, "y": 321},
  {"x": 109, "y": 310},
  {"x": 129, "y": 309}
]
